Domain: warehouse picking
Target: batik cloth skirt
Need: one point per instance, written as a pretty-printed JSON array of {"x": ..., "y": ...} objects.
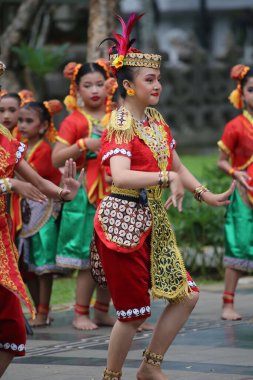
[
  {"x": 238, "y": 234},
  {"x": 75, "y": 233}
]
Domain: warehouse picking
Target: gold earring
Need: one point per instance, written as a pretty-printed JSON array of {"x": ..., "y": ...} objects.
[{"x": 130, "y": 92}]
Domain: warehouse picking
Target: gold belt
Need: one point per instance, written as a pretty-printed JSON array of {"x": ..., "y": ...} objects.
[{"x": 153, "y": 192}]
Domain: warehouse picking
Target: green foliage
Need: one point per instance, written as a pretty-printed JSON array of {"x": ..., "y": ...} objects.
[
  {"x": 201, "y": 226},
  {"x": 40, "y": 61}
]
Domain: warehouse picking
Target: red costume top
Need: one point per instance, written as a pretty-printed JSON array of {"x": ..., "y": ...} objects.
[
  {"x": 40, "y": 160},
  {"x": 237, "y": 142},
  {"x": 127, "y": 217},
  {"x": 11, "y": 153},
  {"x": 79, "y": 125}
]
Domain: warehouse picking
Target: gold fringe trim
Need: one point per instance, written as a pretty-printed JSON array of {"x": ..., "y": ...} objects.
[
  {"x": 166, "y": 259},
  {"x": 121, "y": 126},
  {"x": 223, "y": 147}
]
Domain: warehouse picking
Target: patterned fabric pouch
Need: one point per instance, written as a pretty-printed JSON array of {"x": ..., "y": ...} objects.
[{"x": 125, "y": 221}]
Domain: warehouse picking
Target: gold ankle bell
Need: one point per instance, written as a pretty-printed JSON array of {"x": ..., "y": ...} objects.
[
  {"x": 152, "y": 358},
  {"x": 110, "y": 375}
]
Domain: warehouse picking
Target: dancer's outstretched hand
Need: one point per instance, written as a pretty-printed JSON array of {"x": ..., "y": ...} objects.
[
  {"x": 217, "y": 200},
  {"x": 70, "y": 183},
  {"x": 177, "y": 191}
]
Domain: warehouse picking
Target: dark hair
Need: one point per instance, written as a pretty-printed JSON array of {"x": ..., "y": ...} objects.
[
  {"x": 12, "y": 95},
  {"x": 246, "y": 78},
  {"x": 39, "y": 107},
  {"x": 125, "y": 73},
  {"x": 87, "y": 68}
]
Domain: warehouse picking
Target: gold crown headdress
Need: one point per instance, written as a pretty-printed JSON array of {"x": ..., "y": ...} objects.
[
  {"x": 238, "y": 72},
  {"x": 122, "y": 54}
]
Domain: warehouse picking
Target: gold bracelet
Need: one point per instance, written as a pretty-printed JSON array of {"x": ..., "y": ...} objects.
[
  {"x": 5, "y": 185},
  {"x": 198, "y": 192},
  {"x": 81, "y": 145},
  {"x": 59, "y": 196},
  {"x": 231, "y": 172},
  {"x": 164, "y": 179}
]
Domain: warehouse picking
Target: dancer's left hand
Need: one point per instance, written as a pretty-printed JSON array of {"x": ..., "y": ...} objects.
[
  {"x": 217, "y": 200},
  {"x": 70, "y": 183}
]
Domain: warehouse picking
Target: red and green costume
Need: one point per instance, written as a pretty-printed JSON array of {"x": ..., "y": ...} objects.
[
  {"x": 237, "y": 143},
  {"x": 74, "y": 249}
]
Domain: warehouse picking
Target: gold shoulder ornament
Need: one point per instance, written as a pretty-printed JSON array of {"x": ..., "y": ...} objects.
[{"x": 121, "y": 126}]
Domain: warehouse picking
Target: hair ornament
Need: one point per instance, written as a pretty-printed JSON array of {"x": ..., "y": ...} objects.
[
  {"x": 70, "y": 72},
  {"x": 2, "y": 68},
  {"x": 238, "y": 73},
  {"x": 122, "y": 53},
  {"x": 53, "y": 107},
  {"x": 3, "y": 92},
  {"x": 105, "y": 64},
  {"x": 26, "y": 96}
]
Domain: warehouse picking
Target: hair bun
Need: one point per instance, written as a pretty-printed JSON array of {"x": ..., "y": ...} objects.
[
  {"x": 69, "y": 70},
  {"x": 238, "y": 72},
  {"x": 111, "y": 86},
  {"x": 26, "y": 96},
  {"x": 55, "y": 106}
]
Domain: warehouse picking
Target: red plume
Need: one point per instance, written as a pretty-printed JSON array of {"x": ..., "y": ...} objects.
[{"x": 123, "y": 40}]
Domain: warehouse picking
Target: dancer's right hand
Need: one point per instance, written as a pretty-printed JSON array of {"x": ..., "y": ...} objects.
[
  {"x": 242, "y": 177},
  {"x": 27, "y": 190},
  {"x": 177, "y": 192}
]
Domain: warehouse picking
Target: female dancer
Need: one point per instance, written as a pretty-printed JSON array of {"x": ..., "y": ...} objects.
[
  {"x": 133, "y": 237},
  {"x": 80, "y": 138},
  {"x": 236, "y": 159},
  {"x": 38, "y": 236},
  {"x": 10, "y": 103},
  {"x": 12, "y": 332}
]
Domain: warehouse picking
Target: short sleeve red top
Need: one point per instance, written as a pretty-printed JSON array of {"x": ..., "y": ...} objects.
[{"x": 237, "y": 142}]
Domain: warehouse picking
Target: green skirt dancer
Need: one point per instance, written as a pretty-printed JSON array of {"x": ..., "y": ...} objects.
[
  {"x": 39, "y": 235},
  {"x": 75, "y": 234},
  {"x": 239, "y": 234}
]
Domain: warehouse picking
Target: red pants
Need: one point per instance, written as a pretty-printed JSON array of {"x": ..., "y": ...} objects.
[
  {"x": 128, "y": 279},
  {"x": 12, "y": 326}
]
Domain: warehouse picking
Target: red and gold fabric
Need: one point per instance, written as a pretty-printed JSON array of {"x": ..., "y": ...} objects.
[
  {"x": 129, "y": 222},
  {"x": 81, "y": 125},
  {"x": 237, "y": 142},
  {"x": 11, "y": 152},
  {"x": 40, "y": 160},
  {"x": 12, "y": 332}
]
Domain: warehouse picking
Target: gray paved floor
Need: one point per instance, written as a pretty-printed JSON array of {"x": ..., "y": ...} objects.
[{"x": 206, "y": 348}]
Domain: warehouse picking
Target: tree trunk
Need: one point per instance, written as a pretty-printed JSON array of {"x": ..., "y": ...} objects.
[
  {"x": 101, "y": 24},
  {"x": 13, "y": 35}
]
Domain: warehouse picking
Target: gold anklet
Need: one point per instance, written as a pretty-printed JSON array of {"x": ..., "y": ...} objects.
[
  {"x": 110, "y": 375},
  {"x": 152, "y": 358}
]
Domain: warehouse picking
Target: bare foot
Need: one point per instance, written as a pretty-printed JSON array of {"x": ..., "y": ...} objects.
[
  {"x": 103, "y": 319},
  {"x": 145, "y": 326},
  {"x": 150, "y": 372},
  {"x": 40, "y": 320},
  {"x": 83, "y": 322},
  {"x": 229, "y": 313}
]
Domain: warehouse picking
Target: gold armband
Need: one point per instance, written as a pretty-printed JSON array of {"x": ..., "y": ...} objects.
[
  {"x": 231, "y": 172},
  {"x": 198, "y": 192},
  {"x": 81, "y": 145}
]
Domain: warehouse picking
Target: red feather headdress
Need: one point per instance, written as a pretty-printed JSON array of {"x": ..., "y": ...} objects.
[{"x": 122, "y": 53}]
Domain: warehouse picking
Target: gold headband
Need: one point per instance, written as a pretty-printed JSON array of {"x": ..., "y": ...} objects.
[{"x": 136, "y": 60}]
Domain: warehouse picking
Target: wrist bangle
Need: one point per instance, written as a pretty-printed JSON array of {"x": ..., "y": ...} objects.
[
  {"x": 5, "y": 185},
  {"x": 198, "y": 192},
  {"x": 81, "y": 145},
  {"x": 163, "y": 179},
  {"x": 231, "y": 172},
  {"x": 59, "y": 196}
]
